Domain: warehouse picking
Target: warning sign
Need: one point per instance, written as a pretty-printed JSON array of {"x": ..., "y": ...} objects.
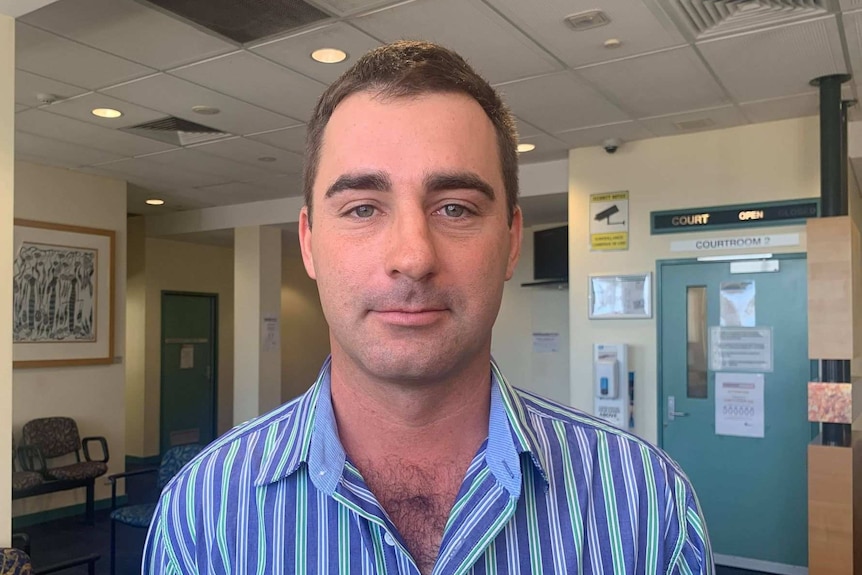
[{"x": 609, "y": 221}]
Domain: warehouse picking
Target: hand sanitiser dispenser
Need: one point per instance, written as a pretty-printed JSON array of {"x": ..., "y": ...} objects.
[{"x": 610, "y": 365}]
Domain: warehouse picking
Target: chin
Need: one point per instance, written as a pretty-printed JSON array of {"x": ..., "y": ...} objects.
[{"x": 416, "y": 365}]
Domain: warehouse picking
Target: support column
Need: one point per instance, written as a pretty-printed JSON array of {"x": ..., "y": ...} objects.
[
  {"x": 257, "y": 321},
  {"x": 7, "y": 166}
]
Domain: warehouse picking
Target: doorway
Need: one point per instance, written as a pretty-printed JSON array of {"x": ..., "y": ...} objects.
[
  {"x": 189, "y": 375},
  {"x": 732, "y": 384}
]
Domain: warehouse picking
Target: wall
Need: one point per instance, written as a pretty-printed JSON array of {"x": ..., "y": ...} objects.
[
  {"x": 526, "y": 310},
  {"x": 93, "y": 395},
  {"x": 304, "y": 331},
  {"x": 773, "y": 161},
  {"x": 7, "y": 171},
  {"x": 183, "y": 266}
]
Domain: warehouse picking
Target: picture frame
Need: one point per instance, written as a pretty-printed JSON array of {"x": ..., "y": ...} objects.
[
  {"x": 626, "y": 296},
  {"x": 63, "y": 295}
]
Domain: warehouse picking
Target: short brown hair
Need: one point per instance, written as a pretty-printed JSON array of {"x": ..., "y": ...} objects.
[{"x": 405, "y": 69}]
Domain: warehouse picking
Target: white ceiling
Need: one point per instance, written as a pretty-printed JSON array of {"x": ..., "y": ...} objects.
[{"x": 672, "y": 73}]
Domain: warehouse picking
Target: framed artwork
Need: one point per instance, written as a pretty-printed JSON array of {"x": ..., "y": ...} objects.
[
  {"x": 63, "y": 295},
  {"x": 620, "y": 296}
]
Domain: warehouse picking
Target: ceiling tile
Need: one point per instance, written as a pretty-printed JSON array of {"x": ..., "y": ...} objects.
[
  {"x": 81, "y": 107},
  {"x": 292, "y": 139},
  {"x": 638, "y": 27},
  {"x": 159, "y": 175},
  {"x": 196, "y": 161},
  {"x": 233, "y": 193},
  {"x": 851, "y": 4},
  {"x": 176, "y": 96},
  {"x": 48, "y": 55},
  {"x": 853, "y": 34},
  {"x": 652, "y": 85},
  {"x": 525, "y": 129},
  {"x": 128, "y": 29},
  {"x": 72, "y": 131},
  {"x": 559, "y": 102},
  {"x": 258, "y": 81},
  {"x": 701, "y": 120},
  {"x": 250, "y": 152},
  {"x": 27, "y": 85},
  {"x": 345, "y": 7},
  {"x": 495, "y": 48},
  {"x": 60, "y": 153},
  {"x": 20, "y": 108},
  {"x": 295, "y": 51},
  {"x": 782, "y": 108},
  {"x": 624, "y": 131},
  {"x": 136, "y": 197},
  {"x": 747, "y": 64},
  {"x": 547, "y": 149}
]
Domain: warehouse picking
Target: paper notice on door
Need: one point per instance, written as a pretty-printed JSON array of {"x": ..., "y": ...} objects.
[
  {"x": 737, "y": 304},
  {"x": 546, "y": 342},
  {"x": 270, "y": 333},
  {"x": 187, "y": 356},
  {"x": 740, "y": 349},
  {"x": 739, "y": 404}
]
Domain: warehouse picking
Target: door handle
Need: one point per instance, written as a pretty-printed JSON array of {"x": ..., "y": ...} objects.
[{"x": 672, "y": 413}]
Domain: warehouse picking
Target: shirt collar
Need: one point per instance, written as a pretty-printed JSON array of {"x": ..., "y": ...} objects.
[{"x": 310, "y": 436}]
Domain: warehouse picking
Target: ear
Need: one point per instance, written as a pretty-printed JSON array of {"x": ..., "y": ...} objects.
[
  {"x": 515, "y": 233},
  {"x": 305, "y": 242}
]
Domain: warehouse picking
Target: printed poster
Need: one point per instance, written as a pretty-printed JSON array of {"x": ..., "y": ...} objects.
[
  {"x": 609, "y": 221},
  {"x": 739, "y": 409}
]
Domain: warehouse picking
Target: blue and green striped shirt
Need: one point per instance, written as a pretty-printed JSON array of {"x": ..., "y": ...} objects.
[{"x": 551, "y": 490}]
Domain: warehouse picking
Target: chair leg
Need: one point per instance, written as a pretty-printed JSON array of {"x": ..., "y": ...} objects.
[
  {"x": 91, "y": 504},
  {"x": 113, "y": 547}
]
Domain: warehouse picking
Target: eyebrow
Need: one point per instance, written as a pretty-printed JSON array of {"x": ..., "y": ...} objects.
[
  {"x": 435, "y": 182},
  {"x": 438, "y": 182},
  {"x": 375, "y": 181}
]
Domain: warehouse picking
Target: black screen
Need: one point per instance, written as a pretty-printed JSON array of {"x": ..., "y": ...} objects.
[{"x": 551, "y": 254}]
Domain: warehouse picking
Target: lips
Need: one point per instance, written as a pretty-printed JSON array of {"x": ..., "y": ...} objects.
[{"x": 409, "y": 317}]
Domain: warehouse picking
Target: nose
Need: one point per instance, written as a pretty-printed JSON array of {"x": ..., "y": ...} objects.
[{"x": 411, "y": 251}]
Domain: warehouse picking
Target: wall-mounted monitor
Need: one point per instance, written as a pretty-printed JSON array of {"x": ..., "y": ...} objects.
[{"x": 551, "y": 255}]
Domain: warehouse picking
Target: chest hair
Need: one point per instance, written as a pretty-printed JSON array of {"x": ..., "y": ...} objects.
[{"x": 418, "y": 500}]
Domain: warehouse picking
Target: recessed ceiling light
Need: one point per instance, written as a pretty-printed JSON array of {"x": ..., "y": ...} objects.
[
  {"x": 329, "y": 55},
  {"x": 155, "y": 202},
  {"x": 612, "y": 43},
  {"x": 106, "y": 113},
  {"x": 205, "y": 110},
  {"x": 526, "y": 147}
]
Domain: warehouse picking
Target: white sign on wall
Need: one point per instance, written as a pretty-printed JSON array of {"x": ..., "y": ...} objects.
[{"x": 735, "y": 243}]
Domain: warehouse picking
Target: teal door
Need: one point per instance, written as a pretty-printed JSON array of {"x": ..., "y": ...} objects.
[
  {"x": 188, "y": 389},
  {"x": 743, "y": 445}
]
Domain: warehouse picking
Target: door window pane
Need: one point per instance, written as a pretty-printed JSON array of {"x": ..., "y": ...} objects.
[{"x": 696, "y": 341}]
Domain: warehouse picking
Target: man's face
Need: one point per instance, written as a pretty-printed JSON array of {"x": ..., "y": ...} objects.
[{"x": 410, "y": 244}]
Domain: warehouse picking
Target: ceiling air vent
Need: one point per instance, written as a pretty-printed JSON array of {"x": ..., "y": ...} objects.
[
  {"x": 709, "y": 18},
  {"x": 244, "y": 20},
  {"x": 587, "y": 20},
  {"x": 176, "y": 131}
]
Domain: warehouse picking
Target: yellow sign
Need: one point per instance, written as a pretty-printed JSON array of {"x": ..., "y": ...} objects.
[{"x": 609, "y": 221}]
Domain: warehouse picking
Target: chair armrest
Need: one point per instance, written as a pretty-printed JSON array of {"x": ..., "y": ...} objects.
[
  {"x": 113, "y": 479},
  {"x": 21, "y": 541},
  {"x": 85, "y": 560},
  {"x": 104, "y": 444},
  {"x": 31, "y": 459}
]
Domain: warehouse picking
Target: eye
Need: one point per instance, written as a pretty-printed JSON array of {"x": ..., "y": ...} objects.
[
  {"x": 363, "y": 211},
  {"x": 454, "y": 210}
]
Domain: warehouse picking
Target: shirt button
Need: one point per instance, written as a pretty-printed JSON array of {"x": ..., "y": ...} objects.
[{"x": 389, "y": 539}]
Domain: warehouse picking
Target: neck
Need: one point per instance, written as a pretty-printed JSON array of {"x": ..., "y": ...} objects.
[{"x": 419, "y": 422}]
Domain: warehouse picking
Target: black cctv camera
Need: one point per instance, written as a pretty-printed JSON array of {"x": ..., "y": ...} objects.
[{"x": 611, "y": 145}]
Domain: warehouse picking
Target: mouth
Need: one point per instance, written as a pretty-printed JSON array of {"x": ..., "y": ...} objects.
[{"x": 409, "y": 317}]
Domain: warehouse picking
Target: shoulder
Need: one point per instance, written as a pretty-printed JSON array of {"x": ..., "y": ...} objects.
[{"x": 563, "y": 430}]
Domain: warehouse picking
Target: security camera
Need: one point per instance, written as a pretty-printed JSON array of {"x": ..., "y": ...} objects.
[{"x": 611, "y": 145}]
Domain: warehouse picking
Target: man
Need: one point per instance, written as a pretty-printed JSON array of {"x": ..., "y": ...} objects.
[{"x": 411, "y": 453}]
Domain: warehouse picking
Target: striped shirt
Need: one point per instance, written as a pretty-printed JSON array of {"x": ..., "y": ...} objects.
[{"x": 551, "y": 490}]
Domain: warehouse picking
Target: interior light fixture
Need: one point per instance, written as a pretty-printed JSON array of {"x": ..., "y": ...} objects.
[
  {"x": 612, "y": 43},
  {"x": 329, "y": 55},
  {"x": 526, "y": 147},
  {"x": 155, "y": 202},
  {"x": 109, "y": 113},
  {"x": 205, "y": 110}
]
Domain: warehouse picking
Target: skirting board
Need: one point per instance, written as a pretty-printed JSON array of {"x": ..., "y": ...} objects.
[{"x": 757, "y": 565}]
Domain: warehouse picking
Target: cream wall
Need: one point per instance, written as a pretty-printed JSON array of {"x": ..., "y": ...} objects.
[
  {"x": 176, "y": 266},
  {"x": 763, "y": 162},
  {"x": 523, "y": 311},
  {"x": 7, "y": 171},
  {"x": 304, "y": 331},
  {"x": 93, "y": 395}
]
